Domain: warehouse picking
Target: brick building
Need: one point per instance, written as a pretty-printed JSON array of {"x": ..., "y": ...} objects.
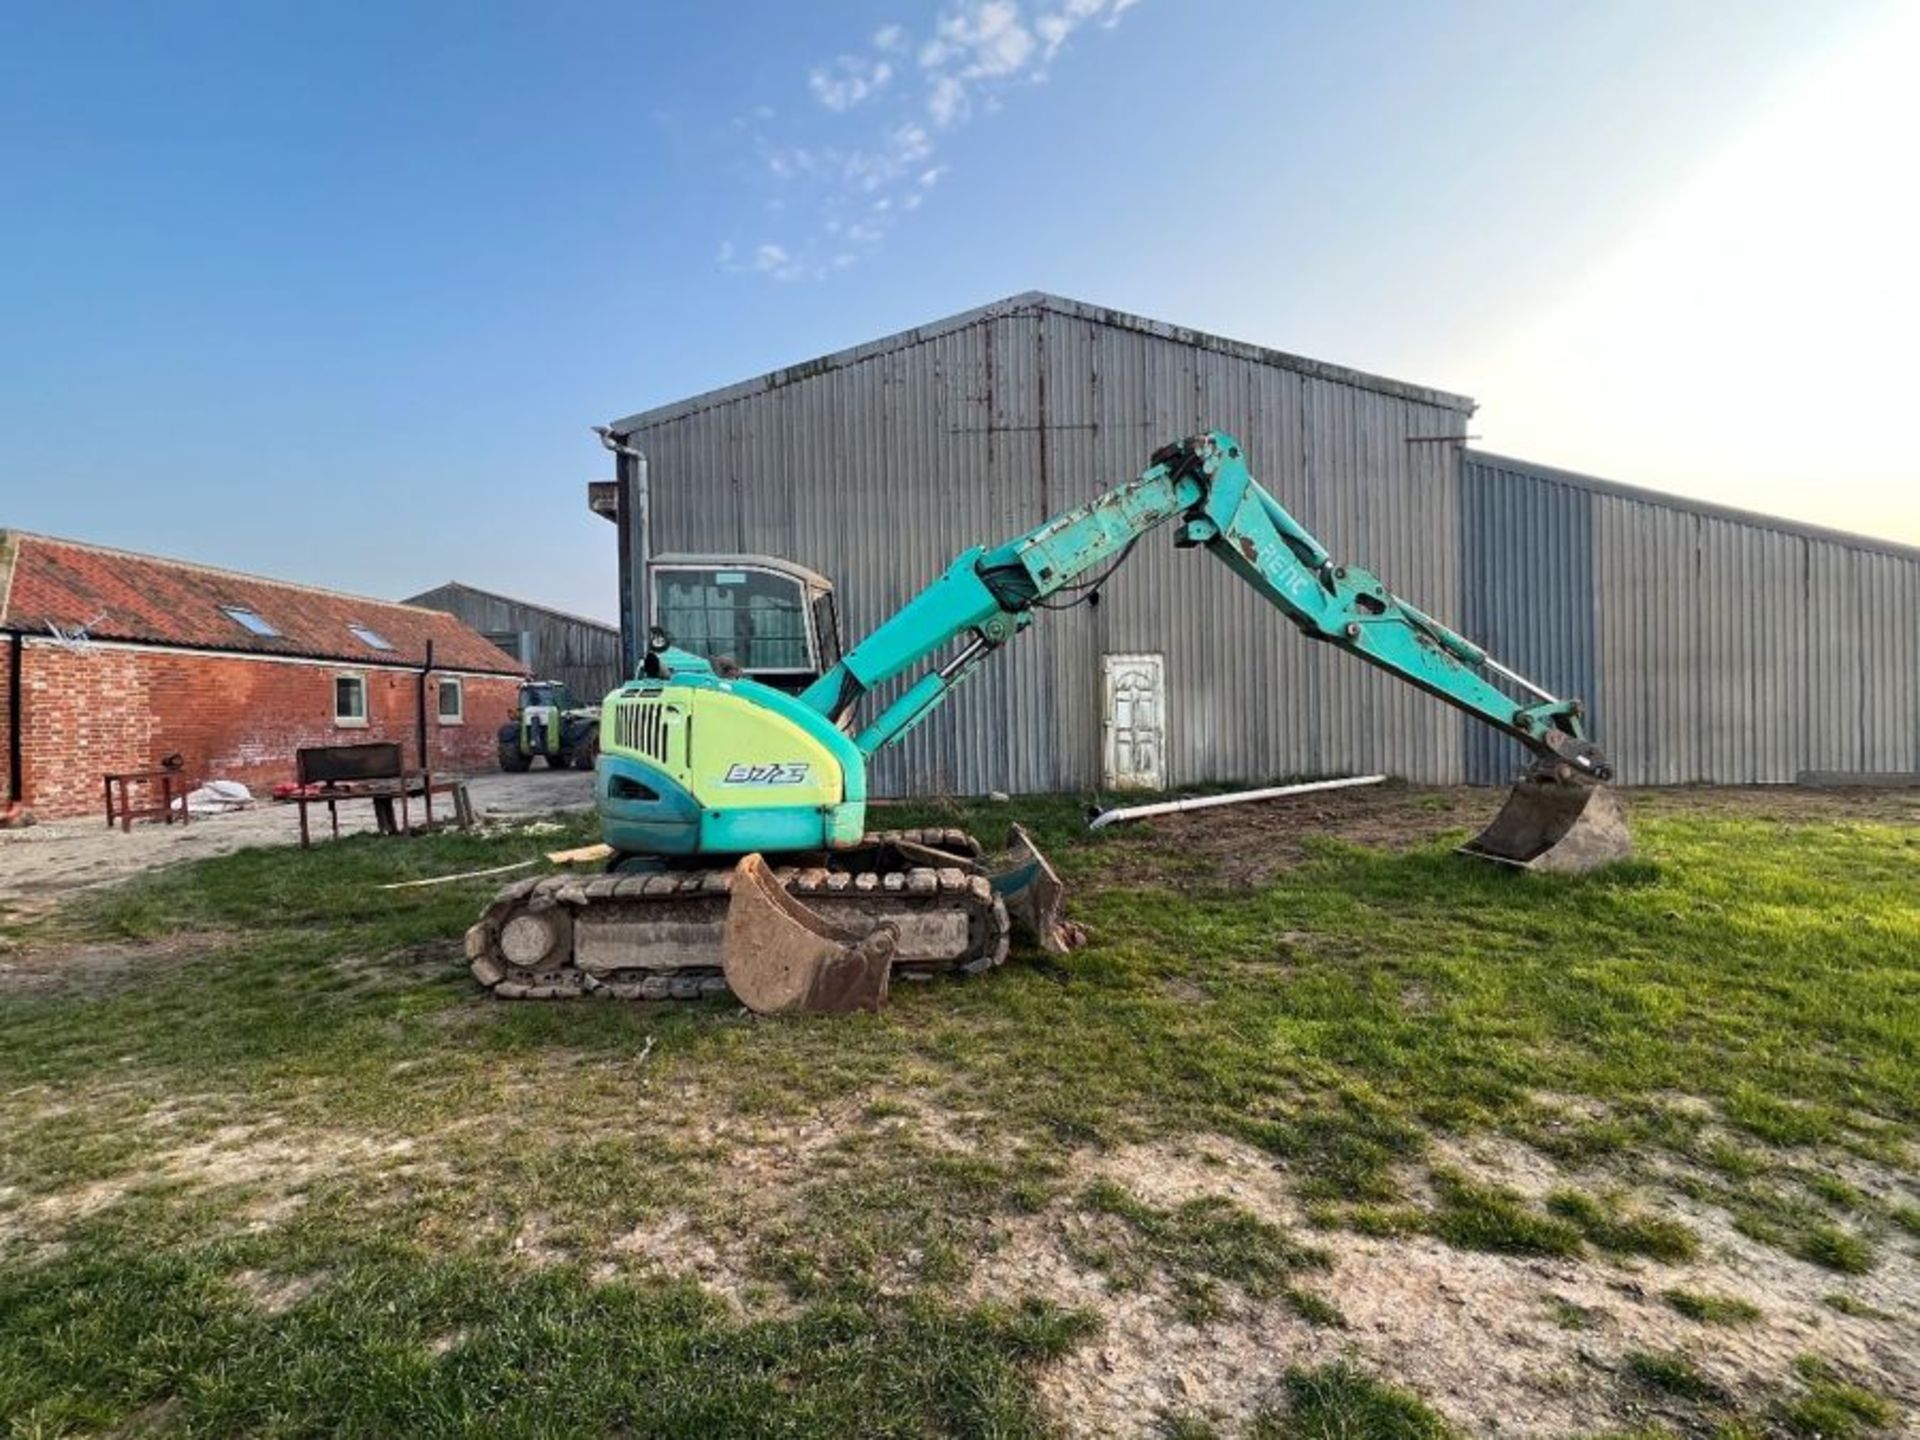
[{"x": 112, "y": 661}]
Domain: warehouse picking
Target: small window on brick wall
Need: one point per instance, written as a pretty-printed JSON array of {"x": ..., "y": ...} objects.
[
  {"x": 350, "y": 700},
  {"x": 451, "y": 699}
]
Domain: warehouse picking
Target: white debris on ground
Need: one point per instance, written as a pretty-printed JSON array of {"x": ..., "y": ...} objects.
[{"x": 216, "y": 797}]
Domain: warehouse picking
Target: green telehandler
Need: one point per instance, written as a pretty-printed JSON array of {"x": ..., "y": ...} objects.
[{"x": 546, "y": 722}]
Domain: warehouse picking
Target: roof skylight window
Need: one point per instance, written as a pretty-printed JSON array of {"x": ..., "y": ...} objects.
[
  {"x": 250, "y": 621},
  {"x": 370, "y": 637}
]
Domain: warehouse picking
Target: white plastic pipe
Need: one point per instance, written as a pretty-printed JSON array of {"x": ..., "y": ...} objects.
[{"x": 1239, "y": 797}]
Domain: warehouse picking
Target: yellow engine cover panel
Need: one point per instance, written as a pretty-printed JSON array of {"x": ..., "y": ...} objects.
[{"x": 742, "y": 755}]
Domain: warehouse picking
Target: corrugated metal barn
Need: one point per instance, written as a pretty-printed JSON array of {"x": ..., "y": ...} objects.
[
  {"x": 553, "y": 645},
  {"x": 1711, "y": 646}
]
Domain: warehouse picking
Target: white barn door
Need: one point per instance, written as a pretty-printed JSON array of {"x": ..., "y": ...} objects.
[{"x": 1134, "y": 722}]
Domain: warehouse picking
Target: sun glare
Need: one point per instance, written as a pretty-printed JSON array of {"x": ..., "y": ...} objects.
[{"x": 1756, "y": 336}]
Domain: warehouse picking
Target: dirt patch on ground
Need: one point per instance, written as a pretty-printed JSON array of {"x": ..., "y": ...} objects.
[
  {"x": 95, "y": 969},
  {"x": 276, "y": 1163},
  {"x": 275, "y": 1294},
  {"x": 1244, "y": 845},
  {"x": 1499, "y": 1344},
  {"x": 1502, "y": 1344},
  {"x": 674, "y": 1245},
  {"x": 246, "y": 1155}
]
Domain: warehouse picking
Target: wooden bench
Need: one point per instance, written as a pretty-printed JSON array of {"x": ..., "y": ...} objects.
[
  {"x": 372, "y": 770},
  {"x": 162, "y": 788}
]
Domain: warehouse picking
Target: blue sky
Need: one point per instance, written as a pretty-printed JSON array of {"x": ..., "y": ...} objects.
[{"x": 334, "y": 292}]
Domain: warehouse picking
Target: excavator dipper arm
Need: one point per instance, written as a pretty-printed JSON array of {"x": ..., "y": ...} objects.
[{"x": 986, "y": 597}]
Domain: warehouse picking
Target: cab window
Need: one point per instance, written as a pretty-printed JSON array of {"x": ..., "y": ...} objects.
[{"x": 757, "y": 619}]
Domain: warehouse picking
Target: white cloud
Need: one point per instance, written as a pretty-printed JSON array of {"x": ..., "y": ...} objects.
[
  {"x": 906, "y": 148},
  {"x": 983, "y": 38},
  {"x": 848, "y": 81},
  {"x": 947, "y": 101},
  {"x": 794, "y": 161},
  {"x": 771, "y": 259},
  {"x": 854, "y": 193},
  {"x": 987, "y": 45},
  {"x": 911, "y": 143},
  {"x": 1054, "y": 26}
]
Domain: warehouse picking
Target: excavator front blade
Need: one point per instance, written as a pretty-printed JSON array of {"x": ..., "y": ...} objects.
[
  {"x": 1035, "y": 898},
  {"x": 1566, "y": 827},
  {"x": 780, "y": 957}
]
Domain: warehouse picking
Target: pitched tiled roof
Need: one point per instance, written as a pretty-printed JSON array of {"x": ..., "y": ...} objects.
[{"x": 118, "y": 595}]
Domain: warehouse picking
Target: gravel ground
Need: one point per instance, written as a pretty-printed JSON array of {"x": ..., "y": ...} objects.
[{"x": 40, "y": 864}]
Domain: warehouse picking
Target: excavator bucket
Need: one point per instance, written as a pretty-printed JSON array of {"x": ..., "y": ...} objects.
[
  {"x": 780, "y": 958},
  {"x": 1035, "y": 898},
  {"x": 1565, "y": 827}
]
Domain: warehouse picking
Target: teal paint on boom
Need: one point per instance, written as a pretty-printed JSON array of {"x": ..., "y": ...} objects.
[{"x": 986, "y": 597}]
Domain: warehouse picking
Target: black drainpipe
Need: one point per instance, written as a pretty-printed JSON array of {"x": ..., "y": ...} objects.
[
  {"x": 420, "y": 704},
  {"x": 17, "y": 654}
]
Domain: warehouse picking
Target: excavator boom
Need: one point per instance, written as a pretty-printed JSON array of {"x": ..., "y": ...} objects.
[{"x": 986, "y": 597}]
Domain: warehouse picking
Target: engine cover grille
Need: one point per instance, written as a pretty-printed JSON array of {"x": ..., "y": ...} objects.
[{"x": 641, "y": 726}]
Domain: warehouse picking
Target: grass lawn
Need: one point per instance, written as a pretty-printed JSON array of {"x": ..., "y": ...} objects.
[{"x": 1327, "y": 1132}]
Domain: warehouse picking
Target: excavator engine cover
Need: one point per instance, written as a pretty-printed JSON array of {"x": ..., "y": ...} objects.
[
  {"x": 780, "y": 957},
  {"x": 1563, "y": 827}
]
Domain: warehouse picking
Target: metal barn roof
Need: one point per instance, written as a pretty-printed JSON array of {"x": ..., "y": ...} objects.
[
  {"x": 1035, "y": 302},
  {"x": 1709, "y": 508}
]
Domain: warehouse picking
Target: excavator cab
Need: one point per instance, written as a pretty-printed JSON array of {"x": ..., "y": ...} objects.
[{"x": 757, "y": 616}]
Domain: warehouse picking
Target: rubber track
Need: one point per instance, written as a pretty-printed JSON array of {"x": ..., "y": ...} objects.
[{"x": 868, "y": 893}]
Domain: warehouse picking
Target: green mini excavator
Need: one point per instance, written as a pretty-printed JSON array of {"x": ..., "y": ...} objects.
[{"x": 701, "y": 764}]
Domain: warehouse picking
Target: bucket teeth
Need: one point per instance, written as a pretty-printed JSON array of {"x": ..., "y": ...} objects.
[{"x": 1562, "y": 827}]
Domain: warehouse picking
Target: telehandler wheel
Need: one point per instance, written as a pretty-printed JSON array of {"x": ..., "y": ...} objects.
[
  {"x": 513, "y": 761},
  {"x": 587, "y": 750}
]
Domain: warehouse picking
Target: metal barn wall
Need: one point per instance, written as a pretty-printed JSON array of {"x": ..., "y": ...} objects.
[
  {"x": 581, "y": 652},
  {"x": 1527, "y": 557},
  {"x": 1711, "y": 645},
  {"x": 878, "y": 465}
]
